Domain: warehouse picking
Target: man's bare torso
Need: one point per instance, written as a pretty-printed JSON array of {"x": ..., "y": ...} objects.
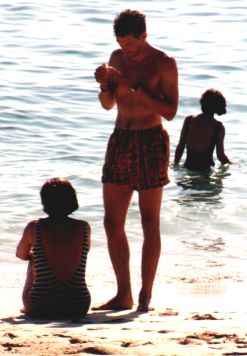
[{"x": 135, "y": 77}]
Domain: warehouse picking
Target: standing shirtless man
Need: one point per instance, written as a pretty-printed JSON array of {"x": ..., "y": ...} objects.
[{"x": 143, "y": 82}]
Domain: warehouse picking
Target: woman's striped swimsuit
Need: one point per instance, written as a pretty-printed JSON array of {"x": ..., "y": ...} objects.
[{"x": 51, "y": 297}]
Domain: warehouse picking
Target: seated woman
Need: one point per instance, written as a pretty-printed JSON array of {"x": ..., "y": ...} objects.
[
  {"x": 56, "y": 247},
  {"x": 202, "y": 133}
]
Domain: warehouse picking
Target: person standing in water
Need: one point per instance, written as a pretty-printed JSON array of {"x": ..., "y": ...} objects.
[
  {"x": 143, "y": 83},
  {"x": 202, "y": 133}
]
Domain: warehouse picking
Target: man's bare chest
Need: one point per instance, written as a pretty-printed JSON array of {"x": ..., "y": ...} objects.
[{"x": 144, "y": 75}]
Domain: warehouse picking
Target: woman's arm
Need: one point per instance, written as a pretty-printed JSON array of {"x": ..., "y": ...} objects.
[
  {"x": 24, "y": 247},
  {"x": 88, "y": 236},
  {"x": 182, "y": 142},
  {"x": 222, "y": 157}
]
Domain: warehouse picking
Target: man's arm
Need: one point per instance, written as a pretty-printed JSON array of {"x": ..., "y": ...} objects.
[
  {"x": 106, "y": 77},
  {"x": 102, "y": 76},
  {"x": 167, "y": 104},
  {"x": 106, "y": 97}
]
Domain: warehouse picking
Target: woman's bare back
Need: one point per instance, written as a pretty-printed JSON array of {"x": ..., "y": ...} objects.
[
  {"x": 200, "y": 133},
  {"x": 62, "y": 243}
]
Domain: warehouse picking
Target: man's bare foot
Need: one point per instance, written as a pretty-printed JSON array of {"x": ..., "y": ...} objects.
[
  {"x": 144, "y": 302},
  {"x": 144, "y": 307},
  {"x": 115, "y": 304}
]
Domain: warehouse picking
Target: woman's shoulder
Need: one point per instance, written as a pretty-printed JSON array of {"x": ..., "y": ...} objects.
[
  {"x": 29, "y": 231},
  {"x": 192, "y": 117},
  {"x": 219, "y": 123},
  {"x": 83, "y": 228},
  {"x": 189, "y": 119},
  {"x": 79, "y": 223},
  {"x": 31, "y": 225}
]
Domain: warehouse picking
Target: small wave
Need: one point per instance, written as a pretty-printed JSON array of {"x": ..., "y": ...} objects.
[{"x": 202, "y": 278}]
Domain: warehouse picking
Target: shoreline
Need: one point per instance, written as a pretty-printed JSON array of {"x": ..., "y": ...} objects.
[{"x": 189, "y": 319}]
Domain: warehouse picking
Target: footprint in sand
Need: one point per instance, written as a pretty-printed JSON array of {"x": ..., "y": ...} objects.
[
  {"x": 204, "y": 317},
  {"x": 76, "y": 340},
  {"x": 210, "y": 337},
  {"x": 10, "y": 335},
  {"x": 163, "y": 331},
  {"x": 96, "y": 351},
  {"x": 10, "y": 345},
  {"x": 61, "y": 335},
  {"x": 133, "y": 344},
  {"x": 185, "y": 341},
  {"x": 169, "y": 312}
]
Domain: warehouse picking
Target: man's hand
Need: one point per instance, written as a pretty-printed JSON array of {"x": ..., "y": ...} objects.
[{"x": 101, "y": 74}]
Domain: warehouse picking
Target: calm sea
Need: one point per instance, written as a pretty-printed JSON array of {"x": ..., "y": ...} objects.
[{"x": 53, "y": 125}]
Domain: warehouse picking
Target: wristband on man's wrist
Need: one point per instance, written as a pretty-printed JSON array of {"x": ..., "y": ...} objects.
[{"x": 104, "y": 87}]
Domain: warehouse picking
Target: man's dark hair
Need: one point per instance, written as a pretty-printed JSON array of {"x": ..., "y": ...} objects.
[
  {"x": 58, "y": 197},
  {"x": 212, "y": 101},
  {"x": 129, "y": 22}
]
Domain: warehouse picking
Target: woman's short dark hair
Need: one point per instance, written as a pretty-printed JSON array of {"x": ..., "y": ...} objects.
[
  {"x": 58, "y": 197},
  {"x": 212, "y": 101},
  {"x": 129, "y": 22}
]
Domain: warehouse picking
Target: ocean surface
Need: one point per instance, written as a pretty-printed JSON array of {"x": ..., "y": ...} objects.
[{"x": 53, "y": 125}]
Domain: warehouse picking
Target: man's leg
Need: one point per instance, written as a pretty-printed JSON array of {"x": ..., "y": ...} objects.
[
  {"x": 149, "y": 203},
  {"x": 116, "y": 202}
]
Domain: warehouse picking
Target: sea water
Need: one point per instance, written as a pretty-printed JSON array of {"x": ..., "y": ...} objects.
[{"x": 52, "y": 125}]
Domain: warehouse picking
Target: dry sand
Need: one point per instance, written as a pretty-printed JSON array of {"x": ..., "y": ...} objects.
[{"x": 196, "y": 319}]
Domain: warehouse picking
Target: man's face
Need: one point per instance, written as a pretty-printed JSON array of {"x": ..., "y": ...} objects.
[{"x": 131, "y": 45}]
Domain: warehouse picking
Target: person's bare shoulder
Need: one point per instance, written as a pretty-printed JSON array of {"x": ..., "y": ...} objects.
[
  {"x": 79, "y": 223},
  {"x": 166, "y": 66},
  {"x": 159, "y": 55},
  {"x": 31, "y": 226},
  {"x": 116, "y": 57},
  {"x": 82, "y": 225},
  {"x": 166, "y": 62},
  {"x": 29, "y": 231},
  {"x": 117, "y": 52},
  {"x": 192, "y": 117}
]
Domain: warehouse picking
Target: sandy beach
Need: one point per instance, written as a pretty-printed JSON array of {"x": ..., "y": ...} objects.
[{"x": 189, "y": 319}]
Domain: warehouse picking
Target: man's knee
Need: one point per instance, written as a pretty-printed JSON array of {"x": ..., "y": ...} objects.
[
  {"x": 112, "y": 225},
  {"x": 150, "y": 222}
]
